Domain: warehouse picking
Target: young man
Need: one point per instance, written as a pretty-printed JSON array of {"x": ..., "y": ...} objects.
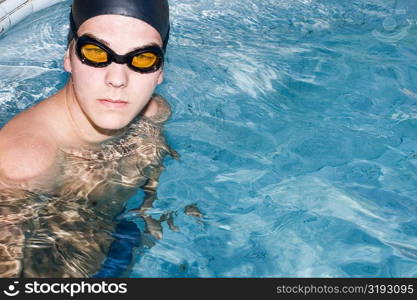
[{"x": 69, "y": 163}]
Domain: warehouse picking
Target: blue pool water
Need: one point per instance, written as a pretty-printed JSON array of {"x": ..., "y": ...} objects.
[{"x": 296, "y": 121}]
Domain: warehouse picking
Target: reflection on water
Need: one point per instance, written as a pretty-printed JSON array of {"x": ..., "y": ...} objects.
[{"x": 68, "y": 232}]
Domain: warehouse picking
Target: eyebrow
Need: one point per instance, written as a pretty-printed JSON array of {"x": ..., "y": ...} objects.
[{"x": 153, "y": 44}]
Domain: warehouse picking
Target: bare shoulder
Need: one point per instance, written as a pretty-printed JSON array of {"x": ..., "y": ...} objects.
[
  {"x": 158, "y": 109},
  {"x": 25, "y": 153}
]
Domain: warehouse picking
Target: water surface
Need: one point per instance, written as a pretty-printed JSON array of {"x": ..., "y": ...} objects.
[{"x": 296, "y": 123}]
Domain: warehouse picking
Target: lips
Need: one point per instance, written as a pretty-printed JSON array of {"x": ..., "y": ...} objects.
[{"x": 110, "y": 103}]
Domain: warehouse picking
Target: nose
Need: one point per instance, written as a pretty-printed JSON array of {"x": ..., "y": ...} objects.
[{"x": 116, "y": 75}]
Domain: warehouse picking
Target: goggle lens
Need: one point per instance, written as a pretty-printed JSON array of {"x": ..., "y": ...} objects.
[
  {"x": 145, "y": 60},
  {"x": 94, "y": 53}
]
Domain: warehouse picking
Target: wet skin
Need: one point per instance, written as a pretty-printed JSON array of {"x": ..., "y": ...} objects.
[{"x": 67, "y": 233}]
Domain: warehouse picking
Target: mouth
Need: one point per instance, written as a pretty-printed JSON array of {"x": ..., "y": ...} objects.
[{"x": 110, "y": 103}]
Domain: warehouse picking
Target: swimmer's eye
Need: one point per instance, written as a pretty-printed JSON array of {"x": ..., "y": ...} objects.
[
  {"x": 145, "y": 60},
  {"x": 94, "y": 53}
]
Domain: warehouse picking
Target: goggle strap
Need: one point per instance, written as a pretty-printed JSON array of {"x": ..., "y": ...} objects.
[
  {"x": 72, "y": 33},
  {"x": 166, "y": 39}
]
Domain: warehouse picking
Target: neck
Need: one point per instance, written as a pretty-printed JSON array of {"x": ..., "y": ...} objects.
[{"x": 82, "y": 127}]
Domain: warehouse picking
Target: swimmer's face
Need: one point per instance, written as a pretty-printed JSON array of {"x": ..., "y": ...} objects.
[{"x": 97, "y": 88}]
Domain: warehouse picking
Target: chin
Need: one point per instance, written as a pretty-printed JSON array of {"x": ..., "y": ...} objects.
[{"x": 112, "y": 123}]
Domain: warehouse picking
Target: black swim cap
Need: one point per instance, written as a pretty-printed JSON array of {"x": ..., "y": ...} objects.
[{"x": 153, "y": 12}]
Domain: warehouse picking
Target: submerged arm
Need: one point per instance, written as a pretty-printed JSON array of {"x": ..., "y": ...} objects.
[
  {"x": 16, "y": 214},
  {"x": 152, "y": 226},
  {"x": 25, "y": 164}
]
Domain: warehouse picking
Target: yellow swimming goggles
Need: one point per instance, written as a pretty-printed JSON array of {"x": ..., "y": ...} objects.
[{"x": 95, "y": 54}]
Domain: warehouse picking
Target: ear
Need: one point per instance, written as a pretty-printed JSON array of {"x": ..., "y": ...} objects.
[
  {"x": 67, "y": 60},
  {"x": 161, "y": 77}
]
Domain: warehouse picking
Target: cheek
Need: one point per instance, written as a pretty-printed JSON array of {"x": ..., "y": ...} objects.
[
  {"x": 86, "y": 87},
  {"x": 145, "y": 83},
  {"x": 86, "y": 80},
  {"x": 141, "y": 90}
]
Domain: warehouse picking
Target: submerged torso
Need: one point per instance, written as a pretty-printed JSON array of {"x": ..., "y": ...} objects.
[
  {"x": 118, "y": 166},
  {"x": 67, "y": 232}
]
